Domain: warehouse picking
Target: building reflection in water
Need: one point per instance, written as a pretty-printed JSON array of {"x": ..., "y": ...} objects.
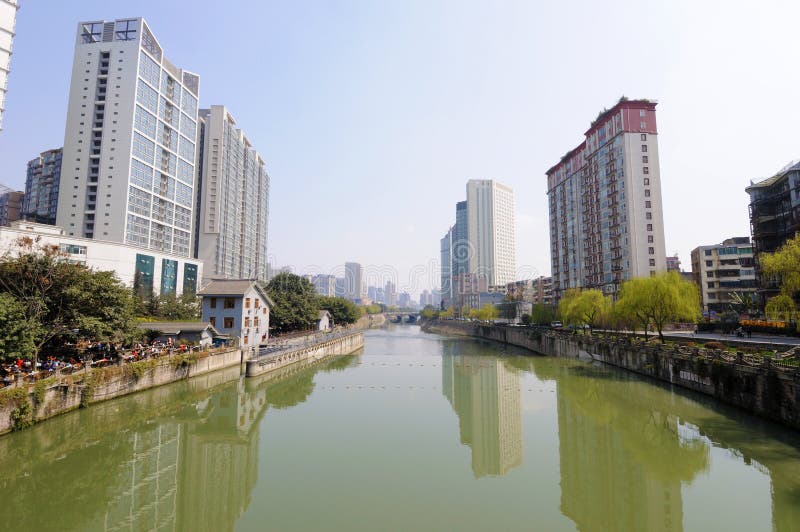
[
  {"x": 623, "y": 459},
  {"x": 485, "y": 395},
  {"x": 183, "y": 457}
]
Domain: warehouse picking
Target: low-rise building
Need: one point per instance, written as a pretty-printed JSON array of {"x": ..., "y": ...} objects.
[
  {"x": 146, "y": 271},
  {"x": 723, "y": 273},
  {"x": 192, "y": 332},
  {"x": 10, "y": 205},
  {"x": 239, "y": 308}
]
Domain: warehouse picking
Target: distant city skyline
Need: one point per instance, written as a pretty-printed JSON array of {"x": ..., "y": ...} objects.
[{"x": 369, "y": 120}]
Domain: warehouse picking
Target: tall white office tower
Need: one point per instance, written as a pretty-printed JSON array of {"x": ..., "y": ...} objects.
[
  {"x": 353, "y": 281},
  {"x": 129, "y": 158},
  {"x": 491, "y": 233},
  {"x": 8, "y": 20},
  {"x": 233, "y": 204}
]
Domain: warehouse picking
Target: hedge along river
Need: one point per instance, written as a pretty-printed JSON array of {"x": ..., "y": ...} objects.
[{"x": 417, "y": 431}]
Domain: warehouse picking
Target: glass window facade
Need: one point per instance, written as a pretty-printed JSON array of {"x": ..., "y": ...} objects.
[
  {"x": 145, "y": 122},
  {"x": 189, "y": 278},
  {"x": 149, "y": 69},
  {"x": 147, "y": 96},
  {"x": 143, "y": 148},
  {"x": 143, "y": 278},
  {"x": 169, "y": 276},
  {"x": 141, "y": 174}
]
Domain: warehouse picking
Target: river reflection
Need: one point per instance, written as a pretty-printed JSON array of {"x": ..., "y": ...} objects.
[
  {"x": 485, "y": 394},
  {"x": 184, "y": 457},
  {"x": 419, "y": 432}
]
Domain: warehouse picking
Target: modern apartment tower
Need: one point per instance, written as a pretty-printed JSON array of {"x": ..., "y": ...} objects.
[
  {"x": 353, "y": 281},
  {"x": 460, "y": 241},
  {"x": 490, "y": 230},
  {"x": 41, "y": 187},
  {"x": 723, "y": 270},
  {"x": 8, "y": 19},
  {"x": 233, "y": 200},
  {"x": 606, "y": 220},
  {"x": 446, "y": 261},
  {"x": 128, "y": 172}
]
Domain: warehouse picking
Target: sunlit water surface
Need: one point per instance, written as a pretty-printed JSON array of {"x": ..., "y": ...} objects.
[{"x": 417, "y": 432}]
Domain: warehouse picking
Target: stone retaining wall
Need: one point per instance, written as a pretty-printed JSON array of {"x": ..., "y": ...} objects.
[
  {"x": 758, "y": 385},
  {"x": 21, "y": 407},
  {"x": 343, "y": 345}
]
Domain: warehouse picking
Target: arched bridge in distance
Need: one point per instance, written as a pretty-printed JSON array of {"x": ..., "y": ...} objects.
[{"x": 402, "y": 316}]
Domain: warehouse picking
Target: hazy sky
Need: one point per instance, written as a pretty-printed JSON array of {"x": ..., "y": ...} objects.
[{"x": 372, "y": 115}]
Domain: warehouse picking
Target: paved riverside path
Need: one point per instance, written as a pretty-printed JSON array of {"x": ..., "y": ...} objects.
[{"x": 767, "y": 339}]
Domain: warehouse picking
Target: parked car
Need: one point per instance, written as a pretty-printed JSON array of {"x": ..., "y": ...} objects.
[{"x": 556, "y": 324}]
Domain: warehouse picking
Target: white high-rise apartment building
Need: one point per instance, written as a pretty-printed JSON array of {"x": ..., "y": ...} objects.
[
  {"x": 8, "y": 20},
  {"x": 491, "y": 230},
  {"x": 231, "y": 235},
  {"x": 606, "y": 219},
  {"x": 353, "y": 281},
  {"x": 128, "y": 172}
]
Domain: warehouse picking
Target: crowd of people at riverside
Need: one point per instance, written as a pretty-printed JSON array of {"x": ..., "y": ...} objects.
[{"x": 90, "y": 355}]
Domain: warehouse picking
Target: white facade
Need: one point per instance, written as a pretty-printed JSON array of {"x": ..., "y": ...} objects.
[
  {"x": 8, "y": 20},
  {"x": 353, "y": 281},
  {"x": 130, "y": 142},
  {"x": 491, "y": 230},
  {"x": 159, "y": 272},
  {"x": 233, "y": 202}
]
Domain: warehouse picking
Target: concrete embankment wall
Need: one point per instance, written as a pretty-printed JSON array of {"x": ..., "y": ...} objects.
[
  {"x": 343, "y": 345},
  {"x": 23, "y": 406},
  {"x": 757, "y": 385}
]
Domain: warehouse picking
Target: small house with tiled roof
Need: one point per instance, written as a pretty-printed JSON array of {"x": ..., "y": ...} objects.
[{"x": 238, "y": 308}]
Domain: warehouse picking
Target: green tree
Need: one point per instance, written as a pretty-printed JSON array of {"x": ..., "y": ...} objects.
[
  {"x": 785, "y": 263},
  {"x": 579, "y": 307},
  {"x": 344, "y": 311},
  {"x": 429, "y": 312},
  {"x": 542, "y": 314},
  {"x": 780, "y": 307},
  {"x": 487, "y": 312},
  {"x": 661, "y": 299},
  {"x": 373, "y": 309},
  {"x": 17, "y": 334},
  {"x": 172, "y": 307},
  {"x": 58, "y": 297},
  {"x": 296, "y": 305}
]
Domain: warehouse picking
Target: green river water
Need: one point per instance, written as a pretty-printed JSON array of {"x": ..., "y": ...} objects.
[{"x": 416, "y": 432}]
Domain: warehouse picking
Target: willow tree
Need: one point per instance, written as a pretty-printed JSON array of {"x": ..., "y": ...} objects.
[
  {"x": 783, "y": 263},
  {"x": 579, "y": 307},
  {"x": 659, "y": 300}
]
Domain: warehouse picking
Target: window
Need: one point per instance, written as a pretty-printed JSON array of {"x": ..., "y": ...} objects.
[
  {"x": 645, "y": 160},
  {"x": 652, "y": 262},
  {"x": 256, "y": 303},
  {"x": 649, "y": 227},
  {"x": 651, "y": 251},
  {"x": 213, "y": 302},
  {"x": 125, "y": 30},
  {"x": 645, "y": 170},
  {"x": 644, "y": 137},
  {"x": 229, "y": 303},
  {"x": 708, "y": 263},
  {"x": 213, "y": 321},
  {"x": 647, "y": 193},
  {"x": 708, "y": 253},
  {"x": 264, "y": 310},
  {"x": 648, "y": 204},
  {"x": 247, "y": 322},
  {"x": 646, "y": 181},
  {"x": 92, "y": 32},
  {"x": 246, "y": 303},
  {"x": 255, "y": 321},
  {"x": 642, "y": 125},
  {"x": 227, "y": 322},
  {"x": 648, "y": 215},
  {"x": 649, "y": 239},
  {"x": 644, "y": 148},
  {"x": 642, "y": 114}
]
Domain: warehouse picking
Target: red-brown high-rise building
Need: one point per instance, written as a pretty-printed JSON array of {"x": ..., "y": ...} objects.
[{"x": 606, "y": 219}]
